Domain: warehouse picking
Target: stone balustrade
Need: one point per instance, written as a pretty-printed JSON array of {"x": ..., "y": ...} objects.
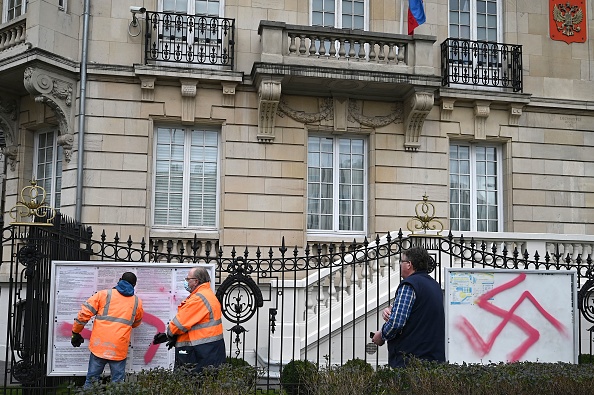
[
  {"x": 13, "y": 33},
  {"x": 346, "y": 48}
]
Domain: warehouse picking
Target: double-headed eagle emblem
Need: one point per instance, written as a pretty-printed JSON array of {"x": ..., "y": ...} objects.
[{"x": 568, "y": 17}]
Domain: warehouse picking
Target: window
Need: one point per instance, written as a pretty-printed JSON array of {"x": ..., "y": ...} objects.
[
  {"x": 47, "y": 166},
  {"x": 193, "y": 7},
  {"x": 14, "y": 8},
  {"x": 475, "y": 188},
  {"x": 186, "y": 163},
  {"x": 346, "y": 14},
  {"x": 336, "y": 180},
  {"x": 475, "y": 19}
]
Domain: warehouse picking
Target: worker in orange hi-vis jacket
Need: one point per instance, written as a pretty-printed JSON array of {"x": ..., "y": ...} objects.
[
  {"x": 116, "y": 311},
  {"x": 196, "y": 331}
]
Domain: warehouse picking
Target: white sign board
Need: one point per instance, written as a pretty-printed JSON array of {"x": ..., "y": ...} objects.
[
  {"x": 511, "y": 315},
  {"x": 159, "y": 286}
]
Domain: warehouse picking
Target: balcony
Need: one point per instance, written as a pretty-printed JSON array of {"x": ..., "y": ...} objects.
[
  {"x": 481, "y": 63},
  {"x": 328, "y": 61},
  {"x": 12, "y": 34},
  {"x": 189, "y": 39}
]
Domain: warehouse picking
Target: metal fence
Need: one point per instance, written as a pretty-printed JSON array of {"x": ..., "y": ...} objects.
[
  {"x": 318, "y": 303},
  {"x": 481, "y": 63},
  {"x": 191, "y": 39}
]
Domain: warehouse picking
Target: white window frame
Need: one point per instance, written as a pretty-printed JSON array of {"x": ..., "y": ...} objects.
[
  {"x": 473, "y": 184},
  {"x": 56, "y": 164},
  {"x": 338, "y": 14},
  {"x": 473, "y": 22},
  {"x": 190, "y": 8},
  {"x": 335, "y": 185},
  {"x": 5, "y": 10},
  {"x": 186, "y": 180},
  {"x": 63, "y": 5}
]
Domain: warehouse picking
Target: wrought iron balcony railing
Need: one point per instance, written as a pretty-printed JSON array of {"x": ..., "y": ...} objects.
[
  {"x": 481, "y": 63},
  {"x": 191, "y": 39}
]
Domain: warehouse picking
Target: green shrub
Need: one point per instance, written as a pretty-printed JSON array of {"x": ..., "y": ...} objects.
[
  {"x": 585, "y": 358},
  {"x": 296, "y": 375}
]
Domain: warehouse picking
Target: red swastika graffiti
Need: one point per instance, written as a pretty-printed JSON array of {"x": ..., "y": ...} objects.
[{"x": 482, "y": 346}]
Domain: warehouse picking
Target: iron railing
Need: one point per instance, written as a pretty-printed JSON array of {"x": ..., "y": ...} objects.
[
  {"x": 316, "y": 303},
  {"x": 481, "y": 63},
  {"x": 190, "y": 39}
]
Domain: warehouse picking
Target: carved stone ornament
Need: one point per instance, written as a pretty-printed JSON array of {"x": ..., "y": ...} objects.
[
  {"x": 55, "y": 90},
  {"x": 356, "y": 114},
  {"x": 269, "y": 93},
  {"x": 417, "y": 107},
  {"x": 11, "y": 152},
  {"x": 9, "y": 127},
  {"x": 326, "y": 112},
  {"x": 481, "y": 113}
]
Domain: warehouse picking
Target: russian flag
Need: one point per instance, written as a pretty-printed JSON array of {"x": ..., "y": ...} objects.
[{"x": 416, "y": 15}]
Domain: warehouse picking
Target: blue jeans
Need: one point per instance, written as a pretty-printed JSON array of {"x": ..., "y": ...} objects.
[{"x": 96, "y": 366}]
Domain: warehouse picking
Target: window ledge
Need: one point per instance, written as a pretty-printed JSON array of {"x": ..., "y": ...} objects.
[{"x": 184, "y": 234}]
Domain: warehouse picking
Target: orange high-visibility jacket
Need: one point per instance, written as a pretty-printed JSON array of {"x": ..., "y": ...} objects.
[
  {"x": 198, "y": 319},
  {"x": 115, "y": 316}
]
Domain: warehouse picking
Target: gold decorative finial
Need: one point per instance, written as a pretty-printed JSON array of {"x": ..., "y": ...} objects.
[
  {"x": 32, "y": 205},
  {"x": 425, "y": 220}
]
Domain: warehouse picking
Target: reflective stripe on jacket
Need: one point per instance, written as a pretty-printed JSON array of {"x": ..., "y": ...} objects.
[
  {"x": 198, "y": 319},
  {"x": 115, "y": 316}
]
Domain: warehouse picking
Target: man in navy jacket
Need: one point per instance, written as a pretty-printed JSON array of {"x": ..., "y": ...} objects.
[{"x": 415, "y": 323}]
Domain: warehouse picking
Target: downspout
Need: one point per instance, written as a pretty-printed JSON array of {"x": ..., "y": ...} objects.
[{"x": 82, "y": 111}]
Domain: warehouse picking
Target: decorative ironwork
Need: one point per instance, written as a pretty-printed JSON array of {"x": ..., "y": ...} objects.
[
  {"x": 32, "y": 205},
  {"x": 193, "y": 39},
  {"x": 481, "y": 63},
  {"x": 425, "y": 220}
]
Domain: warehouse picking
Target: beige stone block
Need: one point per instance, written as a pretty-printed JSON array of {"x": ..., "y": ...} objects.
[
  {"x": 245, "y": 116},
  {"x": 293, "y": 204},
  {"x": 127, "y": 144},
  {"x": 137, "y": 127},
  {"x": 102, "y": 197},
  {"x": 122, "y": 109},
  {"x": 236, "y": 167},
  {"x": 563, "y": 137},
  {"x": 236, "y": 201},
  {"x": 121, "y": 216},
  {"x": 281, "y": 186},
  {"x": 521, "y": 150},
  {"x": 293, "y": 170},
  {"x": 386, "y": 174},
  {"x": 528, "y": 165},
  {"x": 522, "y": 180},
  {"x": 524, "y": 197},
  {"x": 538, "y": 24},
  {"x": 134, "y": 198},
  {"x": 262, "y": 168},
  {"x": 282, "y": 221},
  {"x": 136, "y": 162},
  {"x": 293, "y": 136},
  {"x": 103, "y": 160},
  {"x": 90, "y": 216},
  {"x": 523, "y": 213},
  {"x": 264, "y": 203},
  {"x": 66, "y": 46},
  {"x": 533, "y": 85},
  {"x": 278, "y": 152},
  {"x": 245, "y": 151},
  {"x": 115, "y": 179},
  {"x": 243, "y": 219},
  {"x": 152, "y": 109},
  {"x": 234, "y": 237},
  {"x": 244, "y": 184},
  {"x": 94, "y": 107},
  {"x": 105, "y": 125}
]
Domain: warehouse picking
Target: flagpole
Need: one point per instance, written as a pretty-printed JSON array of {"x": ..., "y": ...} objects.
[{"x": 402, "y": 16}]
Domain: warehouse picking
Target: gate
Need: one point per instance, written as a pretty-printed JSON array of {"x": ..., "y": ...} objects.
[{"x": 318, "y": 303}]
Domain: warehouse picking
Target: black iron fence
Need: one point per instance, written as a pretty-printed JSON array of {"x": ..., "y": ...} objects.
[
  {"x": 318, "y": 303},
  {"x": 191, "y": 39},
  {"x": 481, "y": 63}
]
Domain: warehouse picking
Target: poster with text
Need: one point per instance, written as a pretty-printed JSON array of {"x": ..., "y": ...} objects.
[{"x": 159, "y": 286}]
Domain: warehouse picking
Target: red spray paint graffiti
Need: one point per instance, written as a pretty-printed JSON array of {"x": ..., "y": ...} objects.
[
  {"x": 482, "y": 346},
  {"x": 65, "y": 331}
]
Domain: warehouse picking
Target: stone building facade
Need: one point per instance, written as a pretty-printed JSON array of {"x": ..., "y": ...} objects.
[{"x": 316, "y": 122}]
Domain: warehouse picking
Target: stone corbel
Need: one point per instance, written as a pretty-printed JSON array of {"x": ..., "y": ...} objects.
[
  {"x": 55, "y": 90},
  {"x": 416, "y": 108},
  {"x": 188, "y": 92},
  {"x": 147, "y": 87},
  {"x": 269, "y": 93},
  {"x": 481, "y": 113},
  {"x": 66, "y": 141},
  {"x": 8, "y": 118},
  {"x": 229, "y": 94},
  {"x": 515, "y": 112},
  {"x": 447, "y": 108},
  {"x": 11, "y": 153}
]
